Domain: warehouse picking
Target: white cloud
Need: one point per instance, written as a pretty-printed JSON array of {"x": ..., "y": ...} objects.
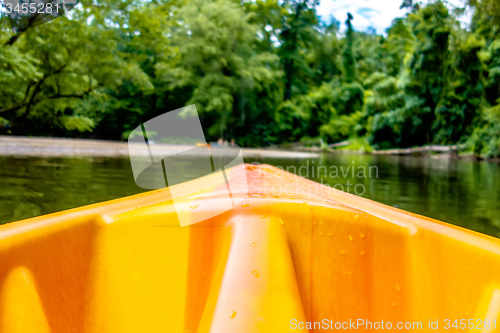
[{"x": 378, "y": 14}]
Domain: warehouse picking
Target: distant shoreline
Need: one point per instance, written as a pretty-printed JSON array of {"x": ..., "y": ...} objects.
[
  {"x": 22, "y": 146},
  {"x": 68, "y": 147}
]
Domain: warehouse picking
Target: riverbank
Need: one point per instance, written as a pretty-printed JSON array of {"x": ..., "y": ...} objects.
[
  {"x": 63, "y": 147},
  {"x": 432, "y": 151}
]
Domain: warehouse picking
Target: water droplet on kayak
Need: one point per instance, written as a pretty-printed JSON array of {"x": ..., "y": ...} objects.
[
  {"x": 262, "y": 216},
  {"x": 321, "y": 233},
  {"x": 342, "y": 252},
  {"x": 315, "y": 223},
  {"x": 397, "y": 287},
  {"x": 454, "y": 303},
  {"x": 356, "y": 217},
  {"x": 350, "y": 238},
  {"x": 321, "y": 222},
  {"x": 345, "y": 273},
  {"x": 193, "y": 206},
  {"x": 330, "y": 234},
  {"x": 253, "y": 244},
  {"x": 255, "y": 273},
  {"x": 306, "y": 231},
  {"x": 394, "y": 304},
  {"x": 281, "y": 221},
  {"x": 204, "y": 274},
  {"x": 232, "y": 314},
  {"x": 245, "y": 205},
  {"x": 362, "y": 253},
  {"x": 362, "y": 235}
]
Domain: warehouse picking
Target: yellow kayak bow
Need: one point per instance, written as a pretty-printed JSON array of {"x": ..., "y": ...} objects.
[{"x": 279, "y": 261}]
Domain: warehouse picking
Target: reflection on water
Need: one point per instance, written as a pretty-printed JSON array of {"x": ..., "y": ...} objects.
[
  {"x": 459, "y": 192},
  {"x": 36, "y": 186}
]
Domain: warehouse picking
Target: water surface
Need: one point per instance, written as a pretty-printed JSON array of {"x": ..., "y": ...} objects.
[{"x": 464, "y": 193}]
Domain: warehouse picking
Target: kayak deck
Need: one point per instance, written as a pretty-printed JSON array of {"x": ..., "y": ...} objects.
[{"x": 127, "y": 265}]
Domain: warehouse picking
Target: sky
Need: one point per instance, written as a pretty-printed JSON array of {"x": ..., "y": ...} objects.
[{"x": 367, "y": 13}]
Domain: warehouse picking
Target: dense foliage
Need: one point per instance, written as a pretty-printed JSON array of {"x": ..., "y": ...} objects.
[{"x": 261, "y": 72}]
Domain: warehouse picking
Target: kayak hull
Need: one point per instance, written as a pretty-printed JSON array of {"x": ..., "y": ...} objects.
[{"x": 279, "y": 260}]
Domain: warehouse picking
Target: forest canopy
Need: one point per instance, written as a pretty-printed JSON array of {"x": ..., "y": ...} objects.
[{"x": 261, "y": 72}]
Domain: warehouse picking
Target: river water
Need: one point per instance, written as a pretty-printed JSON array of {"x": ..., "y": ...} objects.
[{"x": 465, "y": 193}]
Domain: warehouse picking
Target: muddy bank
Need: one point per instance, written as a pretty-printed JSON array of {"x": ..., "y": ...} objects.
[{"x": 62, "y": 147}]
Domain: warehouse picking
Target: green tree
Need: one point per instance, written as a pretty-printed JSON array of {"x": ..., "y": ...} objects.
[
  {"x": 463, "y": 94},
  {"x": 298, "y": 22},
  {"x": 81, "y": 65},
  {"x": 384, "y": 110},
  {"x": 425, "y": 75},
  {"x": 349, "y": 61},
  {"x": 218, "y": 63}
]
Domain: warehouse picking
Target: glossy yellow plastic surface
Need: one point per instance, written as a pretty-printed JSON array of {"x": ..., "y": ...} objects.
[{"x": 289, "y": 252}]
